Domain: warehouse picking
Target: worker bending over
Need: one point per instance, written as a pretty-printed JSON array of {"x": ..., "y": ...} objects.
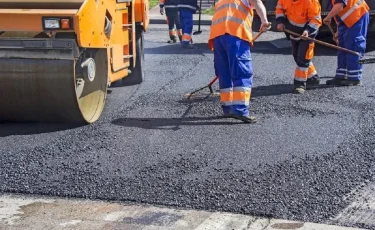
[
  {"x": 352, "y": 17},
  {"x": 302, "y": 17},
  {"x": 186, "y": 9},
  {"x": 173, "y": 18},
  {"x": 231, "y": 38}
]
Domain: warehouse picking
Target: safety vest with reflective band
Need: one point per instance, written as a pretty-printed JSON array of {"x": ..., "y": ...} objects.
[
  {"x": 353, "y": 11},
  {"x": 231, "y": 17},
  {"x": 168, "y": 3},
  {"x": 301, "y": 14}
]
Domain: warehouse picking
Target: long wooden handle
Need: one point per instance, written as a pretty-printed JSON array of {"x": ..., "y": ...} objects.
[
  {"x": 257, "y": 36},
  {"x": 324, "y": 43}
]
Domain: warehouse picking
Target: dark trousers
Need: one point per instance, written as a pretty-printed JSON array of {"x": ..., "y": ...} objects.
[
  {"x": 303, "y": 52},
  {"x": 173, "y": 19}
]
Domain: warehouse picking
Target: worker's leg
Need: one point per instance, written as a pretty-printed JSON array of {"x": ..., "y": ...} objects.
[
  {"x": 356, "y": 40},
  {"x": 341, "y": 71},
  {"x": 188, "y": 27},
  {"x": 222, "y": 71},
  {"x": 170, "y": 18},
  {"x": 313, "y": 78},
  {"x": 241, "y": 70},
  {"x": 178, "y": 24},
  {"x": 300, "y": 73},
  {"x": 180, "y": 14}
]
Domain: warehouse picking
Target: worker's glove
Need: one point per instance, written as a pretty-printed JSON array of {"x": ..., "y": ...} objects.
[
  {"x": 327, "y": 21},
  {"x": 161, "y": 10},
  {"x": 280, "y": 27},
  {"x": 336, "y": 37},
  {"x": 265, "y": 26},
  {"x": 304, "y": 35}
]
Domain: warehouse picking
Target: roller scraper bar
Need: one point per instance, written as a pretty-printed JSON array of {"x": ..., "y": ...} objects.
[{"x": 41, "y": 4}]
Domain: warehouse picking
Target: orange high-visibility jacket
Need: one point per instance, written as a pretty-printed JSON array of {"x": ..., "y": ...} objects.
[
  {"x": 353, "y": 11},
  {"x": 300, "y": 13},
  {"x": 232, "y": 17}
]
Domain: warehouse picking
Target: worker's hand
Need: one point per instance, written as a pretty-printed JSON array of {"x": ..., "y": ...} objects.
[
  {"x": 327, "y": 20},
  {"x": 265, "y": 26},
  {"x": 336, "y": 37},
  {"x": 161, "y": 11},
  {"x": 280, "y": 27},
  {"x": 305, "y": 34}
]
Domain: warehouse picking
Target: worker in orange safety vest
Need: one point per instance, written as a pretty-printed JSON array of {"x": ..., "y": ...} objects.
[
  {"x": 231, "y": 38},
  {"x": 352, "y": 17},
  {"x": 302, "y": 17}
]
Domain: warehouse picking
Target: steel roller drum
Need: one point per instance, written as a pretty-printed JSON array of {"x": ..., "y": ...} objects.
[
  {"x": 40, "y": 4},
  {"x": 50, "y": 90}
]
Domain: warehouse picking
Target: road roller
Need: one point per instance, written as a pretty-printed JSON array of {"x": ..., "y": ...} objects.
[{"x": 58, "y": 57}]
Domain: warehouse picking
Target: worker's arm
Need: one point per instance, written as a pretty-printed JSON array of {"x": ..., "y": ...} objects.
[
  {"x": 314, "y": 16},
  {"x": 261, "y": 11},
  {"x": 336, "y": 9},
  {"x": 280, "y": 12}
]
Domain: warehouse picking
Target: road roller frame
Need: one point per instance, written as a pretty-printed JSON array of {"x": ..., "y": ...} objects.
[{"x": 57, "y": 57}]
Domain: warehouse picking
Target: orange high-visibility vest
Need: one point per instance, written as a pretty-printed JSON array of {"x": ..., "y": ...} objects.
[
  {"x": 353, "y": 11},
  {"x": 232, "y": 17},
  {"x": 300, "y": 12}
]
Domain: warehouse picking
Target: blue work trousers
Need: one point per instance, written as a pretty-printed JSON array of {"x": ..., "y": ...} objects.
[
  {"x": 353, "y": 38},
  {"x": 233, "y": 66},
  {"x": 186, "y": 20}
]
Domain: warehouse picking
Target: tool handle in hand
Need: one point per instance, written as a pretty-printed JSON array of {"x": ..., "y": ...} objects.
[
  {"x": 257, "y": 36},
  {"x": 324, "y": 43}
]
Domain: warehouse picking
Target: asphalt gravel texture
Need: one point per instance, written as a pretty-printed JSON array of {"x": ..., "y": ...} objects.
[{"x": 303, "y": 160}]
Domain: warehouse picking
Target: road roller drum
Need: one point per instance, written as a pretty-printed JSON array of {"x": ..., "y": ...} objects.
[{"x": 59, "y": 57}]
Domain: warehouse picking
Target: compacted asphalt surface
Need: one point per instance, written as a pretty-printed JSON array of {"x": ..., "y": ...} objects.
[{"x": 303, "y": 160}]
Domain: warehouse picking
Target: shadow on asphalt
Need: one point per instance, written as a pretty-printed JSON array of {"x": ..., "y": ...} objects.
[
  {"x": 170, "y": 123},
  {"x": 29, "y": 128}
]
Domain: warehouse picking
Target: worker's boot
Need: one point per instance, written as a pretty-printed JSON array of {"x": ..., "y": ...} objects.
[
  {"x": 312, "y": 82},
  {"x": 187, "y": 46},
  {"x": 180, "y": 38},
  {"x": 246, "y": 119},
  {"x": 299, "y": 87},
  {"x": 173, "y": 39},
  {"x": 351, "y": 83},
  {"x": 335, "y": 81}
]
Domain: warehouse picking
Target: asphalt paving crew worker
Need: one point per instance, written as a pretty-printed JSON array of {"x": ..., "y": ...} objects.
[
  {"x": 231, "y": 38},
  {"x": 173, "y": 18},
  {"x": 352, "y": 18},
  {"x": 186, "y": 9},
  {"x": 302, "y": 17}
]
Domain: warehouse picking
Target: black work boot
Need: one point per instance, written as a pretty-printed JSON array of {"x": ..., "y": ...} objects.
[
  {"x": 335, "y": 81},
  {"x": 173, "y": 39},
  {"x": 299, "y": 87},
  {"x": 351, "y": 83},
  {"x": 245, "y": 119},
  {"x": 312, "y": 82}
]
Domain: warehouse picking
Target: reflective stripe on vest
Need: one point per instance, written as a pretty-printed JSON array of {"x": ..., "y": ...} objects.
[{"x": 233, "y": 19}]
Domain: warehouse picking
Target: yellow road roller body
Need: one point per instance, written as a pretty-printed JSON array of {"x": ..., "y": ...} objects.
[{"x": 58, "y": 57}]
